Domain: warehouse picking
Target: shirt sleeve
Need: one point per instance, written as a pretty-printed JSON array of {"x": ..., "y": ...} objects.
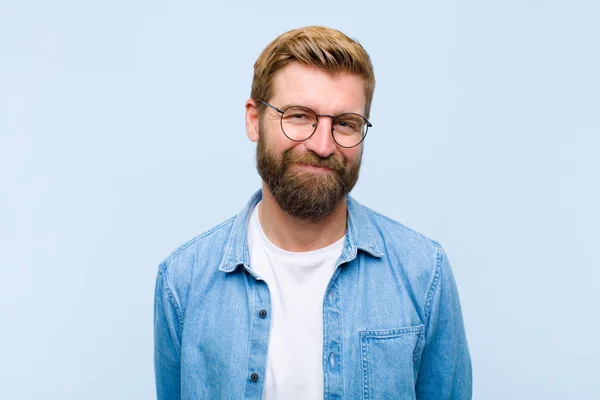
[
  {"x": 167, "y": 339},
  {"x": 445, "y": 369}
]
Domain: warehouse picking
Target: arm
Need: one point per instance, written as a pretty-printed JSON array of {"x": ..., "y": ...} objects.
[
  {"x": 167, "y": 339},
  {"x": 445, "y": 370}
]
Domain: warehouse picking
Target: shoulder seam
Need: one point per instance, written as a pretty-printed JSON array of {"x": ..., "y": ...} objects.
[
  {"x": 184, "y": 246},
  {"x": 434, "y": 283},
  {"x": 171, "y": 296},
  {"x": 434, "y": 242}
]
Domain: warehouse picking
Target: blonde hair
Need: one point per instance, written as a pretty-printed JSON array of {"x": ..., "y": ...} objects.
[{"x": 323, "y": 48}]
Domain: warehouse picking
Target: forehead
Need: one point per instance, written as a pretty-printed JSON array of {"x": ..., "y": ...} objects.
[{"x": 297, "y": 84}]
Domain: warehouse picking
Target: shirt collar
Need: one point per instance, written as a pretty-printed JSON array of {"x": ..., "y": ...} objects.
[{"x": 360, "y": 234}]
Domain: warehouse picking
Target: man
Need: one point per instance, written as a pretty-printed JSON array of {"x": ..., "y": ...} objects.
[{"x": 306, "y": 294}]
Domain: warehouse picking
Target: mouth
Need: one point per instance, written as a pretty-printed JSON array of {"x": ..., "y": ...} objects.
[{"x": 314, "y": 168}]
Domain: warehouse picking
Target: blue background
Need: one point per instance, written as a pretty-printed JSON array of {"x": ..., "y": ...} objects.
[{"x": 122, "y": 136}]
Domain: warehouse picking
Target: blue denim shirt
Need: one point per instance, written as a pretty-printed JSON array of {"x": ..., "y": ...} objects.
[{"x": 392, "y": 322}]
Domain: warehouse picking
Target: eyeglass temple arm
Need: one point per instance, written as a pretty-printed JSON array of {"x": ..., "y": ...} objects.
[{"x": 273, "y": 107}]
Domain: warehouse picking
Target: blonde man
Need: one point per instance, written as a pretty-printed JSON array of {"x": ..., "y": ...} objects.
[{"x": 306, "y": 294}]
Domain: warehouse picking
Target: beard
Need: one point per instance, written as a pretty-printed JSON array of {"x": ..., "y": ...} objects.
[{"x": 302, "y": 194}]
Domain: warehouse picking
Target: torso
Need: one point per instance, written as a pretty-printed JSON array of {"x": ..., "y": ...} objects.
[{"x": 297, "y": 282}]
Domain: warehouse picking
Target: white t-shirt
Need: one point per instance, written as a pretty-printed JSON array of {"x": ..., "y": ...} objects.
[{"x": 297, "y": 282}]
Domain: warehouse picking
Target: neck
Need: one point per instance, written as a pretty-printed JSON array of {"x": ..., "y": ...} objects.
[{"x": 292, "y": 234}]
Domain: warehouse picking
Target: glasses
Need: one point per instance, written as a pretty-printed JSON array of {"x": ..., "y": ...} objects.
[{"x": 299, "y": 123}]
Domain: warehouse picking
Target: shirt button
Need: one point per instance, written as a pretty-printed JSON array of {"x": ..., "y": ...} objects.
[
  {"x": 254, "y": 376},
  {"x": 263, "y": 313}
]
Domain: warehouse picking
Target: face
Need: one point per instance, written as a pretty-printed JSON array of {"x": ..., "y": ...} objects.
[{"x": 308, "y": 179}]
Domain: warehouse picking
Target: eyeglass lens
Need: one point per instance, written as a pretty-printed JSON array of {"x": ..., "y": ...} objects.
[{"x": 298, "y": 123}]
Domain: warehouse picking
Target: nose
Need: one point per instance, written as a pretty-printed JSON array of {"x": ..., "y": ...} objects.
[{"x": 321, "y": 142}]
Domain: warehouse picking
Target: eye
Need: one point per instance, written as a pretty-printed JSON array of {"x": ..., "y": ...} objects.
[
  {"x": 348, "y": 123},
  {"x": 298, "y": 116}
]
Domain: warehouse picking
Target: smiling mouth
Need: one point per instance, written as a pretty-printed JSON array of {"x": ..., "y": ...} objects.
[{"x": 314, "y": 167}]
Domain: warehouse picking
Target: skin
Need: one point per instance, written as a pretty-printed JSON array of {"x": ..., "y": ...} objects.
[{"x": 297, "y": 84}]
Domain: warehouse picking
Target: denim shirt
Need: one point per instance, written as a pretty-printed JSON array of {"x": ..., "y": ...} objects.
[{"x": 392, "y": 322}]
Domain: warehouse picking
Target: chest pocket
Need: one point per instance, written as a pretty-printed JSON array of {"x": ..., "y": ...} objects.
[{"x": 388, "y": 360}]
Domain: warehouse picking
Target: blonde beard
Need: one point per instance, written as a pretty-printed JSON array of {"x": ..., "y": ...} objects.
[{"x": 305, "y": 195}]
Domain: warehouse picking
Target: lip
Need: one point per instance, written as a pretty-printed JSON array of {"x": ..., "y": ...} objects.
[{"x": 314, "y": 168}]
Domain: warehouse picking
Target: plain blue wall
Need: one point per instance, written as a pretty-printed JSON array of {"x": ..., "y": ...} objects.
[{"x": 122, "y": 136}]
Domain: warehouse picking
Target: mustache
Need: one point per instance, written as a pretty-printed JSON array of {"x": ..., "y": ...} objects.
[{"x": 310, "y": 158}]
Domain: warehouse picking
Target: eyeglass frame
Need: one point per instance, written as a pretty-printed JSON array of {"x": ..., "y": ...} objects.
[{"x": 333, "y": 117}]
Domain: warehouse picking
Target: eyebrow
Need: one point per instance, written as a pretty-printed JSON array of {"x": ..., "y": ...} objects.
[{"x": 283, "y": 107}]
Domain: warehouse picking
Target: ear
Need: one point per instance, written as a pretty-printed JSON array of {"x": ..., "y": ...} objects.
[{"x": 252, "y": 120}]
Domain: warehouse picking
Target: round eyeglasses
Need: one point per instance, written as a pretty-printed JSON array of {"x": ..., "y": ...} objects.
[{"x": 298, "y": 123}]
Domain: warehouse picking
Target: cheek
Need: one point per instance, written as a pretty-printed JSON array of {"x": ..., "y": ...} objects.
[
  {"x": 277, "y": 141},
  {"x": 281, "y": 145},
  {"x": 352, "y": 156},
  {"x": 276, "y": 146}
]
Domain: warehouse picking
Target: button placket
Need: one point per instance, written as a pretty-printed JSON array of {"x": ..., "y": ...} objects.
[
  {"x": 332, "y": 330},
  {"x": 259, "y": 334}
]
